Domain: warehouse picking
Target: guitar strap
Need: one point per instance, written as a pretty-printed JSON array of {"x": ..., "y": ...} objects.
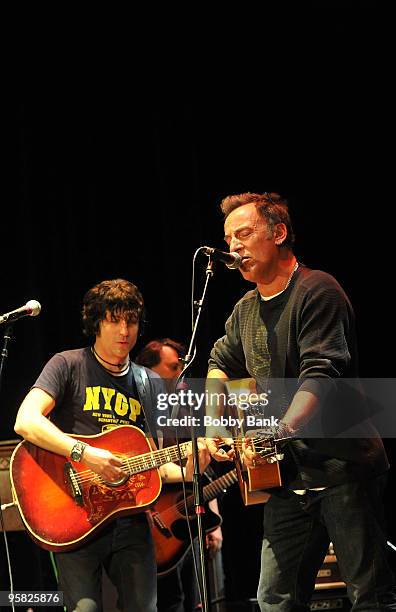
[{"x": 146, "y": 398}]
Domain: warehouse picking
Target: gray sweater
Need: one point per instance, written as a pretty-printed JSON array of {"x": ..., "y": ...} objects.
[{"x": 305, "y": 339}]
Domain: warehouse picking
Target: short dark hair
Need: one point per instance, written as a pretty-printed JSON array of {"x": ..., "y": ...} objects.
[
  {"x": 150, "y": 355},
  {"x": 119, "y": 297},
  {"x": 273, "y": 207}
]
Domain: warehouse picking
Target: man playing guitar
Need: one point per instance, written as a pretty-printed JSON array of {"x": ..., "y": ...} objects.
[
  {"x": 297, "y": 328},
  {"x": 85, "y": 392}
]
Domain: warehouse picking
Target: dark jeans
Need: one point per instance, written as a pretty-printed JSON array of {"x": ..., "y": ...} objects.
[
  {"x": 297, "y": 533},
  {"x": 125, "y": 549},
  {"x": 178, "y": 590}
]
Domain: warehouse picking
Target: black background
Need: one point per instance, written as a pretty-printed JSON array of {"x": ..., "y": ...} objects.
[{"x": 124, "y": 132}]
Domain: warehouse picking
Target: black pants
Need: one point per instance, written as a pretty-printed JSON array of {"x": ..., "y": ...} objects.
[
  {"x": 125, "y": 549},
  {"x": 178, "y": 590},
  {"x": 297, "y": 532}
]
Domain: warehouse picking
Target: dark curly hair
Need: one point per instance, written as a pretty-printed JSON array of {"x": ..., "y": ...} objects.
[
  {"x": 119, "y": 297},
  {"x": 273, "y": 207}
]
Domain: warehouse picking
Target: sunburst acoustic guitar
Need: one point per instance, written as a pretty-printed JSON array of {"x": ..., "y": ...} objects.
[{"x": 62, "y": 503}]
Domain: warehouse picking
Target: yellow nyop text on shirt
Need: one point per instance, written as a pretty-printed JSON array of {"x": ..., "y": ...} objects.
[{"x": 102, "y": 398}]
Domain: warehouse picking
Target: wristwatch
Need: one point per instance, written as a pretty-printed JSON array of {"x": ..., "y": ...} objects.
[{"x": 77, "y": 451}]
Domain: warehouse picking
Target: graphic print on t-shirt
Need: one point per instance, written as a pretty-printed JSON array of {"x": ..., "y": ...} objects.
[
  {"x": 111, "y": 407},
  {"x": 88, "y": 398}
]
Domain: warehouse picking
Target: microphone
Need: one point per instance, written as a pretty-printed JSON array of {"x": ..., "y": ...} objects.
[
  {"x": 31, "y": 309},
  {"x": 231, "y": 260}
]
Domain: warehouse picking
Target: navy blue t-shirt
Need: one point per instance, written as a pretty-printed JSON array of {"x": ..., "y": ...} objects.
[{"x": 89, "y": 399}]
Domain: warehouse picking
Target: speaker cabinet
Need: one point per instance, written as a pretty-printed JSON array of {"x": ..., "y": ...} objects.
[
  {"x": 11, "y": 518},
  {"x": 329, "y": 574}
]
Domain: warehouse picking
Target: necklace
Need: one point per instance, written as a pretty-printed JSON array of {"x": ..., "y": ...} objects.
[
  {"x": 123, "y": 367},
  {"x": 270, "y": 297},
  {"x": 291, "y": 275}
]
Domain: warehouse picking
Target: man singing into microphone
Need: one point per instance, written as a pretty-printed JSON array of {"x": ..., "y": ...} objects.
[
  {"x": 84, "y": 392},
  {"x": 297, "y": 327}
]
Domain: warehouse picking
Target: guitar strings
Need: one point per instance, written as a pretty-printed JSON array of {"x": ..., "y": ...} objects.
[
  {"x": 135, "y": 460},
  {"x": 131, "y": 462}
]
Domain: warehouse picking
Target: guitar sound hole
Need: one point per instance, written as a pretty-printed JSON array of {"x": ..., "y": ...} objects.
[
  {"x": 190, "y": 505},
  {"x": 115, "y": 483},
  {"x": 180, "y": 529}
]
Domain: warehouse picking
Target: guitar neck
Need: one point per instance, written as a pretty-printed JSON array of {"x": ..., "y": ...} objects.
[
  {"x": 219, "y": 485},
  {"x": 149, "y": 461},
  {"x": 213, "y": 489}
]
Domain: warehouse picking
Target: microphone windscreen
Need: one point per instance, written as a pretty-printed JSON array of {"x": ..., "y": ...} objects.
[{"x": 35, "y": 307}]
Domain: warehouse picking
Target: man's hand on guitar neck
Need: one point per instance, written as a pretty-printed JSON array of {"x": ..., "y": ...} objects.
[
  {"x": 252, "y": 456},
  {"x": 221, "y": 449},
  {"x": 204, "y": 459},
  {"x": 171, "y": 472}
]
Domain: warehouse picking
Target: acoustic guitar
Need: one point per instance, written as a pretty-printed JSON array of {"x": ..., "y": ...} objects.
[
  {"x": 62, "y": 503},
  {"x": 264, "y": 475},
  {"x": 253, "y": 481},
  {"x": 169, "y": 521}
]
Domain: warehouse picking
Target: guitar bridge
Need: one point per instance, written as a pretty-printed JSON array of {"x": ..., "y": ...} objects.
[
  {"x": 158, "y": 522},
  {"x": 72, "y": 483}
]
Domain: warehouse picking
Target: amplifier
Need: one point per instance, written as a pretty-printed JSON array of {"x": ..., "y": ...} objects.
[
  {"x": 329, "y": 574},
  {"x": 330, "y": 590},
  {"x": 331, "y": 599},
  {"x": 11, "y": 518},
  {"x": 335, "y": 599}
]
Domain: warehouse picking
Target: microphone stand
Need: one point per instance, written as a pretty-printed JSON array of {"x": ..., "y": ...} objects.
[
  {"x": 4, "y": 352},
  {"x": 197, "y": 478}
]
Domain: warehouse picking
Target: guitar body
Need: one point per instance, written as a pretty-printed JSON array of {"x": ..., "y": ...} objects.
[
  {"x": 253, "y": 480},
  {"x": 265, "y": 475},
  {"x": 58, "y": 520},
  {"x": 170, "y": 527}
]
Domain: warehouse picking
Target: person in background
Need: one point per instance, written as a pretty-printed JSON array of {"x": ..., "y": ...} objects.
[{"x": 177, "y": 591}]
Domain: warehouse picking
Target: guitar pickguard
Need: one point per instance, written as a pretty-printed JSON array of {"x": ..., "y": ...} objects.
[{"x": 101, "y": 499}]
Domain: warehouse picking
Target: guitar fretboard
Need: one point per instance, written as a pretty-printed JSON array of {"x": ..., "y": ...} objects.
[
  {"x": 211, "y": 490},
  {"x": 154, "y": 459},
  {"x": 216, "y": 487}
]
